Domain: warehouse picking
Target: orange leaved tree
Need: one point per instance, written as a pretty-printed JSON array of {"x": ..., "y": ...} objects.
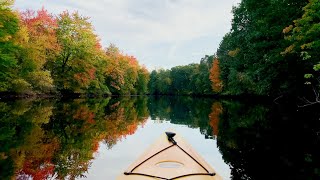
[{"x": 215, "y": 76}]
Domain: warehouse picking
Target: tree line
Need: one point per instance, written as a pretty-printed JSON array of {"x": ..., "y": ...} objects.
[
  {"x": 192, "y": 79},
  {"x": 272, "y": 49},
  {"x": 41, "y": 53}
]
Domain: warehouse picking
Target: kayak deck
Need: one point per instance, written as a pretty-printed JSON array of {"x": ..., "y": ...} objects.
[{"x": 166, "y": 160}]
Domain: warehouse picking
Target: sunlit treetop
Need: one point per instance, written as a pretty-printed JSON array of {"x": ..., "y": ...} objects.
[{"x": 6, "y": 4}]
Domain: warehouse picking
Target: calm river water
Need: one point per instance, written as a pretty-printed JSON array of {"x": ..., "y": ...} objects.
[{"x": 99, "y": 138}]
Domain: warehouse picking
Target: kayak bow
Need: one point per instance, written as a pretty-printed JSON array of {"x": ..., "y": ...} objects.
[{"x": 169, "y": 158}]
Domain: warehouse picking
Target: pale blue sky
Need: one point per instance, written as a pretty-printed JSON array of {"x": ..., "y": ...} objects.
[{"x": 161, "y": 34}]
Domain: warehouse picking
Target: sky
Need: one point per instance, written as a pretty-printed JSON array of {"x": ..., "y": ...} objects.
[{"x": 160, "y": 34}]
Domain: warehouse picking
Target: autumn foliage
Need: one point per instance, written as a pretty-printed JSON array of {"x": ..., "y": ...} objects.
[
  {"x": 215, "y": 76},
  {"x": 61, "y": 53},
  {"x": 41, "y": 28}
]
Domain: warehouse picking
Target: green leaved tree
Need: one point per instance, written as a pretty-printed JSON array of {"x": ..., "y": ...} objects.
[
  {"x": 74, "y": 70},
  {"x": 9, "y": 26},
  {"x": 305, "y": 43}
]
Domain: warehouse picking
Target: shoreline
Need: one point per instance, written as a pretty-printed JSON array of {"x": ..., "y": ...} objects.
[{"x": 14, "y": 96}]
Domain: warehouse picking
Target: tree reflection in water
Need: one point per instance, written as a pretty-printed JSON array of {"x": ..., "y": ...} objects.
[
  {"x": 270, "y": 142},
  {"x": 44, "y": 138},
  {"x": 58, "y": 139},
  {"x": 193, "y": 112}
]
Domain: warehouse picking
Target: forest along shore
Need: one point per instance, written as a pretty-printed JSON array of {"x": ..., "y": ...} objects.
[{"x": 45, "y": 54}]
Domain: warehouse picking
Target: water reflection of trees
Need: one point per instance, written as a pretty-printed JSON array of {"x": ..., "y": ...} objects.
[
  {"x": 45, "y": 138},
  {"x": 48, "y": 138},
  {"x": 193, "y": 112},
  {"x": 265, "y": 142}
]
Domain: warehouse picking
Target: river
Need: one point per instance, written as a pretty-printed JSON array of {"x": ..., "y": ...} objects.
[{"x": 99, "y": 138}]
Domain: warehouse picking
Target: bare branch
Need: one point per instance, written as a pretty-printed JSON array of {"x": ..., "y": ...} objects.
[
  {"x": 308, "y": 102},
  {"x": 275, "y": 100}
]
